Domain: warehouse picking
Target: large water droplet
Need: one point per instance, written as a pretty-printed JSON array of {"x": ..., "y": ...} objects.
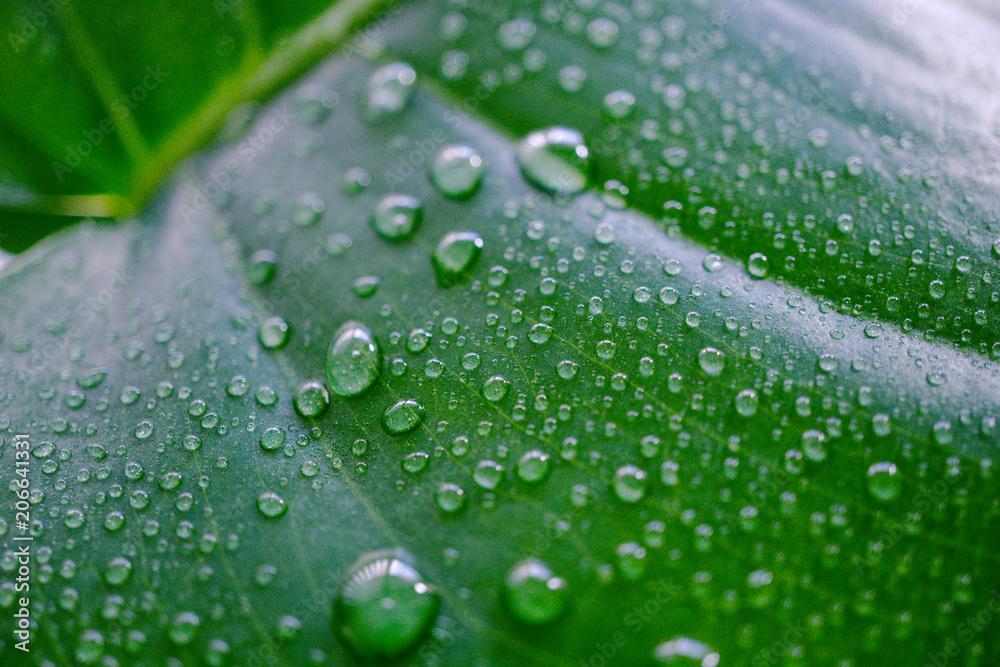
[
  {"x": 455, "y": 255},
  {"x": 457, "y": 171},
  {"x": 397, "y": 217},
  {"x": 534, "y": 595},
  {"x": 388, "y": 91},
  {"x": 555, "y": 159},
  {"x": 384, "y": 606},
  {"x": 354, "y": 361}
]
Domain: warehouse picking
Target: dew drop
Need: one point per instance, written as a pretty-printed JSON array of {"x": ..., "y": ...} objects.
[
  {"x": 271, "y": 505},
  {"x": 397, "y": 217},
  {"x": 712, "y": 361},
  {"x": 384, "y": 606},
  {"x": 354, "y": 361},
  {"x": 684, "y": 651},
  {"x": 534, "y": 467},
  {"x": 312, "y": 399},
  {"x": 183, "y": 628},
  {"x": 534, "y": 594},
  {"x": 630, "y": 483},
  {"x": 403, "y": 416},
  {"x": 274, "y": 333},
  {"x": 457, "y": 171},
  {"x": 883, "y": 482},
  {"x": 388, "y": 91},
  {"x": 450, "y": 498},
  {"x": 455, "y": 256},
  {"x": 555, "y": 159}
]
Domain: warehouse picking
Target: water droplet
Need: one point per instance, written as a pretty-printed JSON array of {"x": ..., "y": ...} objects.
[
  {"x": 746, "y": 402},
  {"x": 874, "y": 330},
  {"x": 308, "y": 210},
  {"x": 118, "y": 571},
  {"x": 712, "y": 262},
  {"x": 630, "y": 559},
  {"x": 488, "y": 474},
  {"x": 274, "y": 333},
  {"x": 354, "y": 361},
  {"x": 455, "y": 255},
  {"x": 540, "y": 333},
  {"x": 90, "y": 647},
  {"x": 555, "y": 159},
  {"x": 516, "y": 34},
  {"x": 619, "y": 104},
  {"x": 415, "y": 462},
  {"x": 397, "y": 217},
  {"x": 272, "y": 438},
  {"x": 883, "y": 482},
  {"x": 271, "y": 504},
  {"x": 450, "y": 498},
  {"x": 183, "y": 628},
  {"x": 384, "y": 606},
  {"x": 403, "y": 416},
  {"x": 92, "y": 379},
  {"x": 311, "y": 399},
  {"x": 712, "y": 361},
  {"x": 757, "y": 265},
  {"x": 388, "y": 91},
  {"x": 457, "y": 171},
  {"x": 684, "y": 651},
  {"x": 602, "y": 33},
  {"x": 605, "y": 233},
  {"x": 534, "y": 467},
  {"x": 630, "y": 483},
  {"x": 813, "y": 445},
  {"x": 495, "y": 389},
  {"x": 534, "y": 594}
]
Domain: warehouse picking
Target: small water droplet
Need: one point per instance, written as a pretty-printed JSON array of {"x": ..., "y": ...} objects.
[
  {"x": 712, "y": 361},
  {"x": 684, "y": 651}
]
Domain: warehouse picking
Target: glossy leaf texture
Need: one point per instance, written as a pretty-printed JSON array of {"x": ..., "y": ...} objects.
[{"x": 689, "y": 443}]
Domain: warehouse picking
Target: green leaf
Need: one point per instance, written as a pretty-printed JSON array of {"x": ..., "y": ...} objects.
[
  {"x": 602, "y": 428},
  {"x": 101, "y": 100}
]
